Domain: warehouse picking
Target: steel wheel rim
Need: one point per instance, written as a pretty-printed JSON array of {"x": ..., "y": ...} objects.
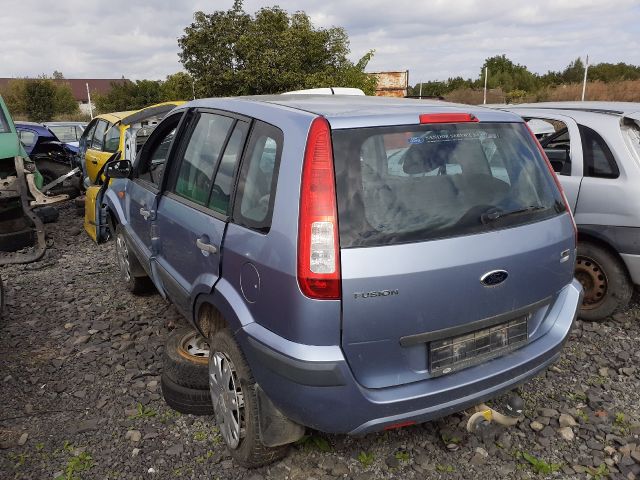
[
  {"x": 227, "y": 397},
  {"x": 194, "y": 347},
  {"x": 123, "y": 257},
  {"x": 594, "y": 281}
]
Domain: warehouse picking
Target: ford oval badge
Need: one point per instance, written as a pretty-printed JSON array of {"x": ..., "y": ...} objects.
[{"x": 494, "y": 277}]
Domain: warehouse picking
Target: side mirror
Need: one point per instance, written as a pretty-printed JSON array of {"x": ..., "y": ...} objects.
[{"x": 118, "y": 169}]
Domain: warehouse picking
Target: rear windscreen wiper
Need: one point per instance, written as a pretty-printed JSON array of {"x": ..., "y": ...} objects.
[{"x": 496, "y": 214}]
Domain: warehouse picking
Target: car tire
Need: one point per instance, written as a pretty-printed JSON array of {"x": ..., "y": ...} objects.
[
  {"x": 607, "y": 287},
  {"x": 52, "y": 170},
  {"x": 186, "y": 359},
  {"x": 239, "y": 422},
  {"x": 191, "y": 401},
  {"x": 127, "y": 264}
]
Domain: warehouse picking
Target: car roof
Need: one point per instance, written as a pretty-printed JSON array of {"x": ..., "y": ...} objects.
[
  {"x": 613, "y": 108},
  {"x": 116, "y": 117},
  {"x": 38, "y": 127},
  {"x": 345, "y": 111}
]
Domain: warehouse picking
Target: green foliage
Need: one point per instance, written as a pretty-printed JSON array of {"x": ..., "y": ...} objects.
[
  {"x": 143, "y": 412},
  {"x": 366, "y": 459},
  {"x": 125, "y": 96},
  {"x": 314, "y": 441},
  {"x": 402, "y": 456},
  {"x": 540, "y": 466},
  {"x": 445, "y": 468},
  {"x": 599, "y": 473},
  {"x": 178, "y": 86},
  {"x": 234, "y": 53},
  {"x": 76, "y": 465},
  {"x": 40, "y": 103},
  {"x": 40, "y": 99}
]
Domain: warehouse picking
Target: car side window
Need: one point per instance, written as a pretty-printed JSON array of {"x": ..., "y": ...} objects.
[
  {"x": 598, "y": 159},
  {"x": 87, "y": 135},
  {"x": 256, "y": 187},
  {"x": 112, "y": 138},
  {"x": 223, "y": 183},
  {"x": 97, "y": 142},
  {"x": 198, "y": 162},
  {"x": 27, "y": 137},
  {"x": 556, "y": 142}
]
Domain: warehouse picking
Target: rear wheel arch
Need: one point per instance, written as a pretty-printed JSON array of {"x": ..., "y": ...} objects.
[
  {"x": 597, "y": 240},
  {"x": 207, "y": 319}
]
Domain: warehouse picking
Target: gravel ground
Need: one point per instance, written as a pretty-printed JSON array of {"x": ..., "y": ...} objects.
[{"x": 80, "y": 398}]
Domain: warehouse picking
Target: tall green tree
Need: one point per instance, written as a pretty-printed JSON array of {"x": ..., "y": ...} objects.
[
  {"x": 125, "y": 96},
  {"x": 233, "y": 53},
  {"x": 41, "y": 104},
  {"x": 178, "y": 86}
]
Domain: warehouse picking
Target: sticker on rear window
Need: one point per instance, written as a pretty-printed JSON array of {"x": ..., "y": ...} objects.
[{"x": 416, "y": 140}]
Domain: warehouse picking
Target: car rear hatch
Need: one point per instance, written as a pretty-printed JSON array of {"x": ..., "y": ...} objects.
[{"x": 454, "y": 240}]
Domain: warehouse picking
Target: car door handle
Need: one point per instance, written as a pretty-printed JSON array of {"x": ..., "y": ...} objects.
[
  {"x": 206, "y": 248},
  {"x": 145, "y": 213}
]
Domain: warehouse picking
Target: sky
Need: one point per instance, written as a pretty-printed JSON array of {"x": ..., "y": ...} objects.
[{"x": 433, "y": 39}]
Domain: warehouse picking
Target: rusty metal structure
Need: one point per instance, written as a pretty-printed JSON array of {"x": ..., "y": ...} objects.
[{"x": 392, "y": 84}]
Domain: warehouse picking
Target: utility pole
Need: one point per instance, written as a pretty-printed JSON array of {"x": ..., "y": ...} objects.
[
  {"x": 89, "y": 99},
  {"x": 420, "y": 90},
  {"x": 584, "y": 82},
  {"x": 486, "y": 74}
]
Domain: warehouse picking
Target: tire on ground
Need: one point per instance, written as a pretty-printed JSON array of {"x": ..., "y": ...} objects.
[
  {"x": 619, "y": 288},
  {"x": 181, "y": 365},
  {"x": 135, "y": 284},
  {"x": 192, "y": 401},
  {"x": 250, "y": 452}
]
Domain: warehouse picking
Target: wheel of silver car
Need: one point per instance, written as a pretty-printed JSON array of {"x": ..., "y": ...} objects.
[
  {"x": 228, "y": 398},
  {"x": 235, "y": 402},
  {"x": 593, "y": 280},
  {"x": 605, "y": 281}
]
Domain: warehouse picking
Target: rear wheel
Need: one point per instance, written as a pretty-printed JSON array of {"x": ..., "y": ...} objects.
[
  {"x": 606, "y": 284},
  {"x": 128, "y": 263},
  {"x": 235, "y": 403}
]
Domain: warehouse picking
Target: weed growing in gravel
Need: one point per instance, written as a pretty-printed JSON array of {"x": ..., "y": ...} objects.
[
  {"x": 582, "y": 415},
  {"x": 205, "y": 457},
  {"x": 168, "y": 415},
  {"x": 143, "y": 412},
  {"x": 76, "y": 465},
  {"x": 19, "y": 459},
  {"x": 445, "y": 468},
  {"x": 538, "y": 465},
  {"x": 366, "y": 459},
  {"x": 599, "y": 473},
  {"x": 39, "y": 446},
  {"x": 199, "y": 436},
  {"x": 314, "y": 441},
  {"x": 403, "y": 456}
]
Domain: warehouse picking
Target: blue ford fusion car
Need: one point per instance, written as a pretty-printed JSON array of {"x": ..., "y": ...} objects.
[{"x": 356, "y": 263}]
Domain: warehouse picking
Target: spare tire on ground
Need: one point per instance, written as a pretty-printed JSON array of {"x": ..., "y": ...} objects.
[
  {"x": 186, "y": 359},
  {"x": 192, "y": 401}
]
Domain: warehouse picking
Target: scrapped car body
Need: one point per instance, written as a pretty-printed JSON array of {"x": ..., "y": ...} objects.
[
  {"x": 105, "y": 136},
  {"x": 22, "y": 236},
  {"x": 595, "y": 151},
  {"x": 53, "y": 158},
  {"x": 386, "y": 261},
  {"x": 68, "y": 132}
]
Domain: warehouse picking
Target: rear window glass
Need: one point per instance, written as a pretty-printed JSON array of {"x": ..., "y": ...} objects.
[{"x": 415, "y": 183}]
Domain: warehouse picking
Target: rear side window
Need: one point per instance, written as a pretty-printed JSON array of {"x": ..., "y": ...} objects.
[
  {"x": 195, "y": 174},
  {"x": 598, "y": 159},
  {"x": 257, "y": 184},
  {"x": 415, "y": 183},
  {"x": 112, "y": 138}
]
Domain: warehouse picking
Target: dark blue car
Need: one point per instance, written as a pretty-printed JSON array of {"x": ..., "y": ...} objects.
[
  {"x": 356, "y": 263},
  {"x": 53, "y": 158}
]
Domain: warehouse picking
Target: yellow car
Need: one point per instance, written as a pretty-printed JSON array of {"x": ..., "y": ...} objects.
[{"x": 107, "y": 135}]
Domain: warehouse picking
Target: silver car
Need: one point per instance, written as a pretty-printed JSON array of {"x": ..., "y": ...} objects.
[{"x": 595, "y": 150}]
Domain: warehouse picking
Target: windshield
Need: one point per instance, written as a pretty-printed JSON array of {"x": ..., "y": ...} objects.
[
  {"x": 415, "y": 183},
  {"x": 4, "y": 125}
]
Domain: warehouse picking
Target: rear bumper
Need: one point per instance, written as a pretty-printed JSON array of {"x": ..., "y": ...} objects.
[{"x": 314, "y": 386}]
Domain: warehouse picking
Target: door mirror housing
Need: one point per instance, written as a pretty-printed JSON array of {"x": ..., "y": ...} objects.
[{"x": 118, "y": 169}]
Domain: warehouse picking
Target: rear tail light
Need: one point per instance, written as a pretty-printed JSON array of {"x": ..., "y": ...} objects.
[
  {"x": 447, "y": 118},
  {"x": 555, "y": 178},
  {"x": 318, "y": 255}
]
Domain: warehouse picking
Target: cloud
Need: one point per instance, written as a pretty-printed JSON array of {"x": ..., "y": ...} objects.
[{"x": 433, "y": 40}]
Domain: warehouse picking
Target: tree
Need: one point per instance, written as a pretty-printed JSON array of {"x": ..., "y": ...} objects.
[
  {"x": 233, "y": 53},
  {"x": 178, "y": 86},
  {"x": 41, "y": 94},
  {"x": 508, "y": 75},
  {"x": 125, "y": 96},
  {"x": 64, "y": 102}
]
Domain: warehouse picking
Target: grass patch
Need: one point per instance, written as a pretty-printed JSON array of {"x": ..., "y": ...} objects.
[
  {"x": 309, "y": 442},
  {"x": 539, "y": 465},
  {"x": 445, "y": 468},
  {"x": 143, "y": 412},
  {"x": 366, "y": 459},
  {"x": 402, "y": 456},
  {"x": 75, "y": 466}
]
